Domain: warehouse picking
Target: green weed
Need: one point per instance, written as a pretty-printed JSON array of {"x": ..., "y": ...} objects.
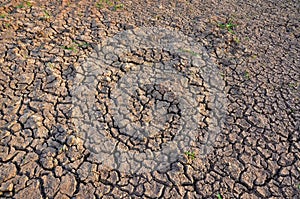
[
  {"x": 118, "y": 6},
  {"x": 2, "y": 16},
  {"x": 236, "y": 40},
  {"x": 247, "y": 75},
  {"x": 46, "y": 14},
  {"x": 84, "y": 45},
  {"x": 71, "y": 48},
  {"x": 102, "y": 3},
  {"x": 29, "y": 4},
  {"x": 293, "y": 85},
  {"x": 254, "y": 56},
  {"x": 21, "y": 5},
  {"x": 64, "y": 148},
  {"x": 81, "y": 45},
  {"x": 107, "y": 3},
  {"x": 228, "y": 26},
  {"x": 50, "y": 65},
  {"x": 189, "y": 51},
  {"x": 190, "y": 154},
  {"x": 99, "y": 5},
  {"x": 7, "y": 25}
]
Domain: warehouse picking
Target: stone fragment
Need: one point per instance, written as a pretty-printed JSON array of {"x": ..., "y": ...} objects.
[
  {"x": 31, "y": 191},
  {"x": 153, "y": 190},
  {"x": 6, "y": 186},
  {"x": 68, "y": 184},
  {"x": 48, "y": 162},
  {"x": 61, "y": 196},
  {"x": 7, "y": 171},
  {"x": 20, "y": 182},
  {"x": 50, "y": 184},
  {"x": 86, "y": 191}
]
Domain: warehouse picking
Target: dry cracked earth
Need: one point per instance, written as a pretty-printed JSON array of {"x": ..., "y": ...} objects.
[{"x": 150, "y": 99}]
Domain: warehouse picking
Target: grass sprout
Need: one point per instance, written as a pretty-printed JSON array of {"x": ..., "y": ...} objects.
[{"x": 229, "y": 26}]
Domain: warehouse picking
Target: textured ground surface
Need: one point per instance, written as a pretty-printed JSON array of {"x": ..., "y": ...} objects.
[{"x": 45, "y": 151}]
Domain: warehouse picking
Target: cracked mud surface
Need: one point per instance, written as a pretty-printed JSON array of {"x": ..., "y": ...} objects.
[{"x": 55, "y": 56}]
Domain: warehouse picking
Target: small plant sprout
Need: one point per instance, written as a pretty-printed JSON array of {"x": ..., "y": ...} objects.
[
  {"x": 81, "y": 45},
  {"x": 193, "y": 53},
  {"x": 219, "y": 196},
  {"x": 254, "y": 56},
  {"x": 2, "y": 16},
  {"x": 229, "y": 26},
  {"x": 29, "y": 4},
  {"x": 64, "y": 148},
  {"x": 118, "y": 6},
  {"x": 21, "y": 5},
  {"x": 236, "y": 40},
  {"x": 7, "y": 25},
  {"x": 46, "y": 14},
  {"x": 293, "y": 85},
  {"x": 102, "y": 3},
  {"x": 50, "y": 65},
  {"x": 99, "y": 5},
  {"x": 84, "y": 45},
  {"x": 190, "y": 155},
  {"x": 70, "y": 48},
  {"x": 108, "y": 2},
  {"x": 247, "y": 75}
]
